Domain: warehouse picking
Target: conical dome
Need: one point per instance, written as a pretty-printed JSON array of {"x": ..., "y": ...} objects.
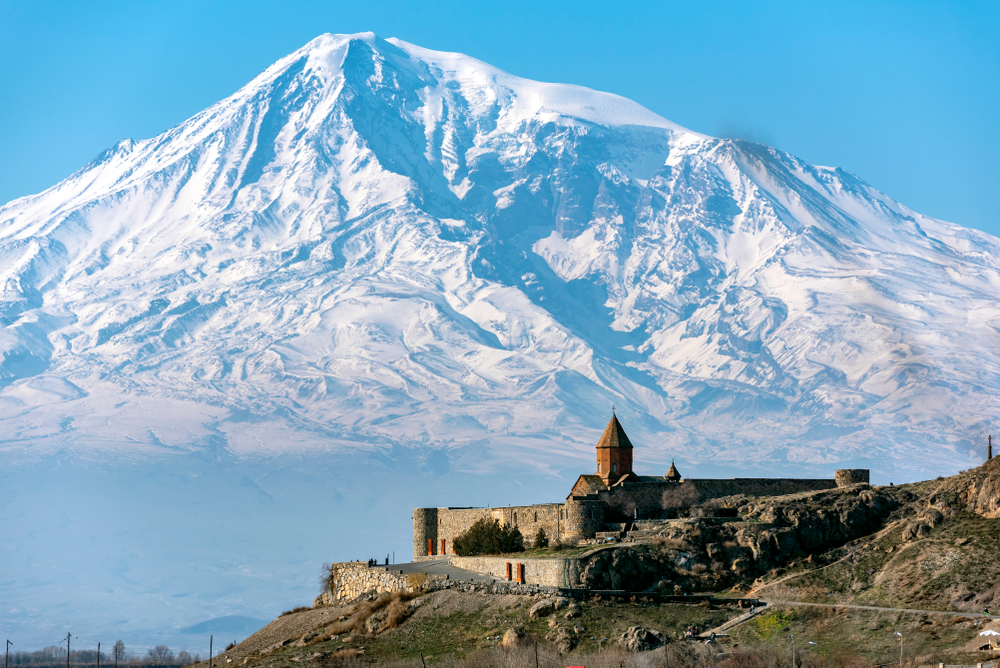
[{"x": 673, "y": 474}]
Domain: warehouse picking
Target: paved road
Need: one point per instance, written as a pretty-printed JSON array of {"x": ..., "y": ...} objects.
[{"x": 439, "y": 567}]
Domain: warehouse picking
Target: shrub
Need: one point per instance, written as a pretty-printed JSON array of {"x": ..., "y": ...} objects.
[
  {"x": 327, "y": 578},
  {"x": 488, "y": 536},
  {"x": 301, "y": 608},
  {"x": 541, "y": 540}
]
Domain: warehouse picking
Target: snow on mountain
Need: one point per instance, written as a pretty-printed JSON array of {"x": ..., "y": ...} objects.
[{"x": 375, "y": 245}]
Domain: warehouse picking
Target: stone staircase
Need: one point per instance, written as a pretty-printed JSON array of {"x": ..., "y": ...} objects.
[
  {"x": 645, "y": 528},
  {"x": 612, "y": 530},
  {"x": 735, "y": 621}
]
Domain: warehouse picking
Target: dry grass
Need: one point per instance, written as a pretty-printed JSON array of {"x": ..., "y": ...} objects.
[
  {"x": 674, "y": 655},
  {"x": 670, "y": 543},
  {"x": 356, "y": 618},
  {"x": 301, "y": 608}
]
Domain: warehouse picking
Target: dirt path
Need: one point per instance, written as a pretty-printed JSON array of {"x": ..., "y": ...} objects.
[
  {"x": 872, "y": 607},
  {"x": 766, "y": 605}
]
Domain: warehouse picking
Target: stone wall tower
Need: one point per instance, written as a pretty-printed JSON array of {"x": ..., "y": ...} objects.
[
  {"x": 425, "y": 525},
  {"x": 614, "y": 452}
]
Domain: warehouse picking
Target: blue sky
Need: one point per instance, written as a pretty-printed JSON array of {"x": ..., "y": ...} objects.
[{"x": 904, "y": 94}]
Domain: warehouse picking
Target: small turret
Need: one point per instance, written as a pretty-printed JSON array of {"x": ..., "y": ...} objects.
[{"x": 673, "y": 475}]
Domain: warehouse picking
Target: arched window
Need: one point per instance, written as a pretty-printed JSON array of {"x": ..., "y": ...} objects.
[
  {"x": 598, "y": 467},
  {"x": 614, "y": 468}
]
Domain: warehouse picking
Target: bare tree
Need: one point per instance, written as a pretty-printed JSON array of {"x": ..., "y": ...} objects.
[
  {"x": 681, "y": 495},
  {"x": 160, "y": 654},
  {"x": 621, "y": 503}
]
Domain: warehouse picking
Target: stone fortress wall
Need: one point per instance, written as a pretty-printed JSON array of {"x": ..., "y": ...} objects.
[
  {"x": 717, "y": 488},
  {"x": 435, "y": 529},
  {"x": 848, "y": 477},
  {"x": 543, "y": 572},
  {"x": 607, "y": 501},
  {"x": 354, "y": 578}
]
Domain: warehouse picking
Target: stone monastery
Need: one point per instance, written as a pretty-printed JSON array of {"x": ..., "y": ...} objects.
[{"x": 607, "y": 502}]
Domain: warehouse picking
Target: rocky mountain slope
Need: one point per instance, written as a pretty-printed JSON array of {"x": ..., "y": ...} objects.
[
  {"x": 927, "y": 545},
  {"x": 375, "y": 244}
]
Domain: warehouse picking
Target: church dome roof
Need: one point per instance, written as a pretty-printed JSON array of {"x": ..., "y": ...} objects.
[{"x": 614, "y": 435}]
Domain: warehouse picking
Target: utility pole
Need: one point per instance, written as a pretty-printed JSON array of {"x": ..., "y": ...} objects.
[
  {"x": 901, "y": 648},
  {"x": 6, "y": 654},
  {"x": 98, "y": 655},
  {"x": 210, "y": 638},
  {"x": 793, "y": 651},
  {"x": 67, "y": 649}
]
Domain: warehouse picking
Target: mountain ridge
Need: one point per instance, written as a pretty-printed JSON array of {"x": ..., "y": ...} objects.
[{"x": 375, "y": 243}]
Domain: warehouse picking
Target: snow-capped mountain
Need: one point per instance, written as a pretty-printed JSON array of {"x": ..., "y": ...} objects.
[{"x": 373, "y": 243}]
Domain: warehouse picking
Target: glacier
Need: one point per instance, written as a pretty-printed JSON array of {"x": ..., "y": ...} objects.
[{"x": 425, "y": 277}]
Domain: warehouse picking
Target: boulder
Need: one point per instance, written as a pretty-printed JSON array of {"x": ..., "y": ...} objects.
[
  {"x": 513, "y": 637},
  {"x": 375, "y": 622},
  {"x": 541, "y": 609},
  {"x": 563, "y": 639},
  {"x": 641, "y": 639}
]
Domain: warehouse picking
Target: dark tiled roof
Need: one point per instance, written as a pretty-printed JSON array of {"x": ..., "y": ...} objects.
[
  {"x": 595, "y": 481},
  {"x": 614, "y": 435},
  {"x": 588, "y": 484}
]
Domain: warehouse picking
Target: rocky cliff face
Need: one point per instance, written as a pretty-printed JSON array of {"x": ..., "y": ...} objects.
[
  {"x": 706, "y": 553},
  {"x": 930, "y": 544},
  {"x": 979, "y": 489}
]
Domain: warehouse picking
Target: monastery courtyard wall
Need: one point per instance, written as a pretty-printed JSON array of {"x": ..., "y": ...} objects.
[{"x": 435, "y": 529}]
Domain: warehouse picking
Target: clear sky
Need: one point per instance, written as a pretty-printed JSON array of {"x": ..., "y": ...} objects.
[{"x": 904, "y": 94}]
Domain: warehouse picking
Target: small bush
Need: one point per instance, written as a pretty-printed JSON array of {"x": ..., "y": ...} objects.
[
  {"x": 327, "y": 578},
  {"x": 488, "y": 536},
  {"x": 301, "y": 608}
]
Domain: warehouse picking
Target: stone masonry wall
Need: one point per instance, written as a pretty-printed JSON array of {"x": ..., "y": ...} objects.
[
  {"x": 542, "y": 572},
  {"x": 713, "y": 489},
  {"x": 581, "y": 517},
  {"x": 424, "y": 528},
  {"x": 449, "y": 523},
  {"x": 634, "y": 501},
  {"x": 352, "y": 579},
  {"x": 847, "y": 477}
]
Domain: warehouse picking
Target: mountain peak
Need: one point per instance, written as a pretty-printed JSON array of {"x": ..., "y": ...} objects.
[{"x": 377, "y": 243}]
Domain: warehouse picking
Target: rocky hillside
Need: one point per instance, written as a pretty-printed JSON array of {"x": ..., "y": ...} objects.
[
  {"x": 937, "y": 551},
  {"x": 927, "y": 545},
  {"x": 923, "y": 544}
]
